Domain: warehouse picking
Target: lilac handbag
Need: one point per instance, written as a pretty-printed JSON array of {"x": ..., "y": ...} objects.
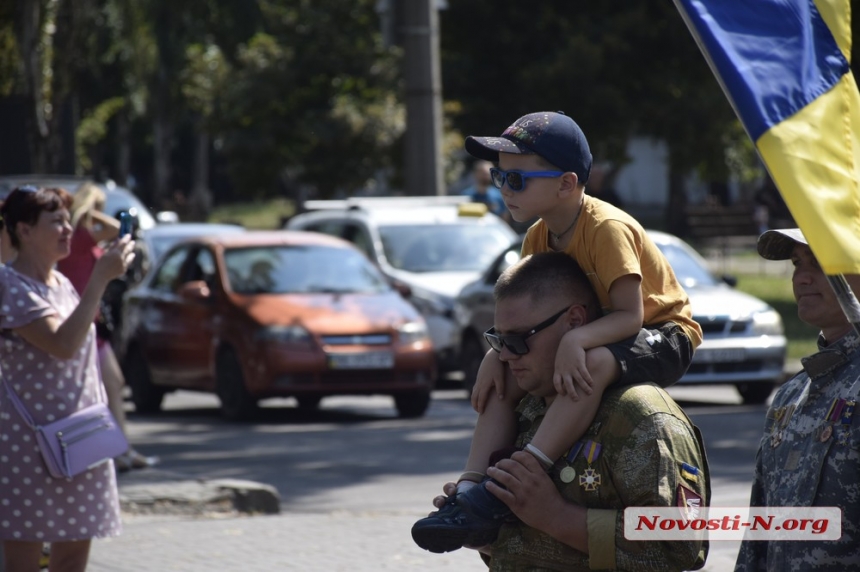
[{"x": 74, "y": 444}]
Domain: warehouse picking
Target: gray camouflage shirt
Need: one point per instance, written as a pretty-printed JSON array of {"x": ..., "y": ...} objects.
[{"x": 810, "y": 456}]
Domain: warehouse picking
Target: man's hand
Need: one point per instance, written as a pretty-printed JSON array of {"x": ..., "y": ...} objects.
[
  {"x": 530, "y": 493},
  {"x": 491, "y": 377},
  {"x": 532, "y": 496},
  {"x": 570, "y": 369}
]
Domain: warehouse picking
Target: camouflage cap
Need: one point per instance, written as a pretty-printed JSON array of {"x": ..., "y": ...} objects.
[{"x": 777, "y": 244}]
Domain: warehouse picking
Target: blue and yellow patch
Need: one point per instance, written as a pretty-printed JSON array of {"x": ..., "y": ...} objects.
[{"x": 690, "y": 473}]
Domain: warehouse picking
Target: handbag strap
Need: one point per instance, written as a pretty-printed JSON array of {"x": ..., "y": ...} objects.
[{"x": 22, "y": 411}]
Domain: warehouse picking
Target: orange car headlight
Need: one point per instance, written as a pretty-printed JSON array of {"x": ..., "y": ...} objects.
[{"x": 413, "y": 332}]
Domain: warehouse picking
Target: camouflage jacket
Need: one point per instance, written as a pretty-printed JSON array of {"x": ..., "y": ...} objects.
[
  {"x": 810, "y": 456},
  {"x": 650, "y": 455}
]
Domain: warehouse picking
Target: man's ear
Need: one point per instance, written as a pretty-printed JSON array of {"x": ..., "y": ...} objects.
[{"x": 576, "y": 316}]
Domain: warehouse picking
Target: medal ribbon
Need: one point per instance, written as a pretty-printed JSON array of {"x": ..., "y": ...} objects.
[
  {"x": 592, "y": 451},
  {"x": 847, "y": 412},
  {"x": 574, "y": 451}
]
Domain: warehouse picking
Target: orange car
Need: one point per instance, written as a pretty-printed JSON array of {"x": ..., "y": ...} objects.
[{"x": 264, "y": 314}]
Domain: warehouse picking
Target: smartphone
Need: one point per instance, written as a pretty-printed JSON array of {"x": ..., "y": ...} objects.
[{"x": 125, "y": 224}]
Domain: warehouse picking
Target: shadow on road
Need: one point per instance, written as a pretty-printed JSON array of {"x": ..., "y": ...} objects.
[{"x": 353, "y": 441}]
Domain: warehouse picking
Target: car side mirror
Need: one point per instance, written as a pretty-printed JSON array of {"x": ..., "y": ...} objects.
[
  {"x": 195, "y": 290},
  {"x": 730, "y": 280},
  {"x": 403, "y": 289}
]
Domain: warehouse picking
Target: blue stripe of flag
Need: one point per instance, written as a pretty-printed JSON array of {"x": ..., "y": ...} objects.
[{"x": 773, "y": 57}]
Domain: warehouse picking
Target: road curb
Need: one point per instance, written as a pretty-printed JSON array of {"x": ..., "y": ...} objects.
[{"x": 157, "y": 491}]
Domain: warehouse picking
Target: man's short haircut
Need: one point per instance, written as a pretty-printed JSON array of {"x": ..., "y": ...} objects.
[{"x": 547, "y": 274}]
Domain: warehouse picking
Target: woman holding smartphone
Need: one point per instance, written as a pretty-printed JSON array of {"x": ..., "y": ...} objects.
[
  {"x": 49, "y": 363},
  {"x": 92, "y": 227}
]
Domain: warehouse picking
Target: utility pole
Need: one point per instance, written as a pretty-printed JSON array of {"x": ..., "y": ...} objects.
[{"x": 422, "y": 72}]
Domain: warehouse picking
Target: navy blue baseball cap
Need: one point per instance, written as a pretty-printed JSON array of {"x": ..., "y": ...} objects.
[{"x": 552, "y": 135}]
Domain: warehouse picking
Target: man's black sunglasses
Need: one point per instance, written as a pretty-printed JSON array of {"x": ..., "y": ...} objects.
[{"x": 517, "y": 342}]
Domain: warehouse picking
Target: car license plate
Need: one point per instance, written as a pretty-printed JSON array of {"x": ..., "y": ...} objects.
[
  {"x": 365, "y": 360},
  {"x": 720, "y": 355}
]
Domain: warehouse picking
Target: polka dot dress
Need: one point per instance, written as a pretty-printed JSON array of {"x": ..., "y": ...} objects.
[{"x": 33, "y": 505}]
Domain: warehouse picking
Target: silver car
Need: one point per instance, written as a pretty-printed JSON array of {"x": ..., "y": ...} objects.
[{"x": 743, "y": 343}]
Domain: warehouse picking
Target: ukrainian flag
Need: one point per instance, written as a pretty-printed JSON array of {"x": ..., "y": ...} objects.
[{"x": 784, "y": 65}]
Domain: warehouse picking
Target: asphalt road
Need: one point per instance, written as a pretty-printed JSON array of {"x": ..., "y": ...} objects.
[{"x": 352, "y": 479}]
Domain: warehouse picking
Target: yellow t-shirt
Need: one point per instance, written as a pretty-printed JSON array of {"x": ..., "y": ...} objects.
[{"x": 608, "y": 243}]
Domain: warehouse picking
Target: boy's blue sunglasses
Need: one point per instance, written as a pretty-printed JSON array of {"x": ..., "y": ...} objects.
[{"x": 516, "y": 180}]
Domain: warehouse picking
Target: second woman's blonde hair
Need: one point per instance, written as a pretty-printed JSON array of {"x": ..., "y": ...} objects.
[{"x": 89, "y": 197}]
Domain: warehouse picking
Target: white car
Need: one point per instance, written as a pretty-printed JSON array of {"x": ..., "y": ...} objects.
[
  {"x": 743, "y": 343},
  {"x": 429, "y": 247}
]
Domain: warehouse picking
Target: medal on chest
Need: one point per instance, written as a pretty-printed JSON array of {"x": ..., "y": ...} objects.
[
  {"x": 838, "y": 420},
  {"x": 781, "y": 417},
  {"x": 590, "y": 478},
  {"x": 568, "y": 474}
]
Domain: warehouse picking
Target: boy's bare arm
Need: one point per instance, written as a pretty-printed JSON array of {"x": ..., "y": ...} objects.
[
  {"x": 624, "y": 321},
  {"x": 491, "y": 377}
]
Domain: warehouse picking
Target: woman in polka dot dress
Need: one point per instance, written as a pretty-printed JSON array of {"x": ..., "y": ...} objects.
[{"x": 48, "y": 358}]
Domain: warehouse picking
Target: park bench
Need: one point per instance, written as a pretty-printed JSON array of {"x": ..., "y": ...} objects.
[{"x": 725, "y": 229}]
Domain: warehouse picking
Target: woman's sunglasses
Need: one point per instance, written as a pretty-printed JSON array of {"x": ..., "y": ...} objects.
[
  {"x": 516, "y": 343},
  {"x": 516, "y": 180}
]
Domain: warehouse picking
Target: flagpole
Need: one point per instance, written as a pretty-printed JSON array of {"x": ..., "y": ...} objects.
[{"x": 847, "y": 299}]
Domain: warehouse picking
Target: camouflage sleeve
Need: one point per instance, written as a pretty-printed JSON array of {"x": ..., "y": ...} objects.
[
  {"x": 753, "y": 555},
  {"x": 658, "y": 462}
]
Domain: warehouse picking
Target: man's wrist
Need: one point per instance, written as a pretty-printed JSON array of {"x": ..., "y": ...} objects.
[{"x": 569, "y": 526}]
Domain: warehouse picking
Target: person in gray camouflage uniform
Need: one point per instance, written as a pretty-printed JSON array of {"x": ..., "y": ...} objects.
[
  {"x": 810, "y": 452},
  {"x": 640, "y": 450}
]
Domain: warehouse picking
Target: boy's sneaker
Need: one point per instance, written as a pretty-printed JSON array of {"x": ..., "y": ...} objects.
[{"x": 470, "y": 518}]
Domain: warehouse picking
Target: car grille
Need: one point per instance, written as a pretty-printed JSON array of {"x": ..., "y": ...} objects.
[
  {"x": 721, "y": 326},
  {"x": 729, "y": 367},
  {"x": 358, "y": 340},
  {"x": 364, "y": 376}
]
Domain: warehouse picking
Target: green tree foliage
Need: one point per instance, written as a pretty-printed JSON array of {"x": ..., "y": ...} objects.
[
  {"x": 9, "y": 56},
  {"x": 301, "y": 94},
  {"x": 619, "y": 69},
  {"x": 311, "y": 99}
]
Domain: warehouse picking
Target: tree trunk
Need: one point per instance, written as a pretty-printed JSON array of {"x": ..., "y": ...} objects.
[
  {"x": 162, "y": 133},
  {"x": 123, "y": 159},
  {"x": 28, "y": 27},
  {"x": 200, "y": 202}
]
